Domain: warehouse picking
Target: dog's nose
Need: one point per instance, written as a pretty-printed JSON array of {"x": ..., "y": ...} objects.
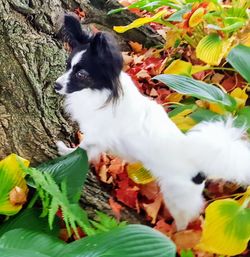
[{"x": 58, "y": 86}]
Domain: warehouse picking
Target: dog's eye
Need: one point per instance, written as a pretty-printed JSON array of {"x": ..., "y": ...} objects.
[{"x": 82, "y": 74}]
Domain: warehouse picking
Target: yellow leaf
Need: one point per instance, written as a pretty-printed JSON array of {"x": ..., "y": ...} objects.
[
  {"x": 199, "y": 68},
  {"x": 171, "y": 37},
  {"x": 211, "y": 49},
  {"x": 139, "y": 22},
  {"x": 174, "y": 97},
  {"x": 216, "y": 108},
  {"x": 179, "y": 67},
  {"x": 240, "y": 96},
  {"x": 245, "y": 39},
  {"x": 183, "y": 121},
  {"x": 139, "y": 174},
  {"x": 12, "y": 177},
  {"x": 197, "y": 17},
  {"x": 226, "y": 228}
]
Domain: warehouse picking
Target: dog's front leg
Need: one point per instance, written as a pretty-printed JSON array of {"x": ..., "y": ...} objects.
[
  {"x": 93, "y": 151},
  {"x": 63, "y": 149}
]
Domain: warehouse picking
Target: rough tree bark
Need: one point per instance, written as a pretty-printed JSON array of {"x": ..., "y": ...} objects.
[{"x": 31, "y": 58}]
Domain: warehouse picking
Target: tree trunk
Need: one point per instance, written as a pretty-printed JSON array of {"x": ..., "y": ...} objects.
[{"x": 31, "y": 118}]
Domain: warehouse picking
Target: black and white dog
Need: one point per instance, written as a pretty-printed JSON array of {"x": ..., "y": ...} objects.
[{"x": 116, "y": 118}]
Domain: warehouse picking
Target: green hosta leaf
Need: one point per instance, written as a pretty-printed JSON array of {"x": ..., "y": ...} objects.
[
  {"x": 28, "y": 219},
  {"x": 211, "y": 49},
  {"x": 226, "y": 229},
  {"x": 178, "y": 15},
  {"x": 24, "y": 239},
  {"x": 229, "y": 28},
  {"x": 130, "y": 241},
  {"x": 243, "y": 118},
  {"x": 196, "y": 88},
  {"x": 180, "y": 108},
  {"x": 71, "y": 168},
  {"x": 21, "y": 253},
  {"x": 12, "y": 176},
  {"x": 203, "y": 115},
  {"x": 239, "y": 58}
]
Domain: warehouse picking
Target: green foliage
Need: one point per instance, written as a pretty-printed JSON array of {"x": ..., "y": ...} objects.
[
  {"x": 129, "y": 241},
  {"x": 54, "y": 198},
  {"x": 104, "y": 223},
  {"x": 193, "y": 20},
  {"x": 70, "y": 169},
  {"x": 198, "y": 89},
  {"x": 239, "y": 58},
  {"x": 29, "y": 219}
]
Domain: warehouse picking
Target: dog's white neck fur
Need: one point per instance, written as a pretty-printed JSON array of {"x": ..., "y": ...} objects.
[{"x": 138, "y": 129}]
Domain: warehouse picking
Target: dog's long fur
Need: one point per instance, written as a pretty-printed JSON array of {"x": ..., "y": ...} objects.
[{"x": 116, "y": 118}]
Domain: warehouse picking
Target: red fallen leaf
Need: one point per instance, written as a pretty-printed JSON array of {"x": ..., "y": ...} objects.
[
  {"x": 63, "y": 234},
  {"x": 116, "y": 208},
  {"x": 136, "y": 47},
  {"x": 232, "y": 82},
  {"x": 81, "y": 234},
  {"x": 59, "y": 213},
  {"x": 80, "y": 13},
  {"x": 150, "y": 190},
  {"x": 196, "y": 224},
  {"x": 164, "y": 227},
  {"x": 128, "y": 196},
  {"x": 153, "y": 208},
  {"x": 163, "y": 93},
  {"x": 229, "y": 84},
  {"x": 186, "y": 239},
  {"x": 127, "y": 191}
]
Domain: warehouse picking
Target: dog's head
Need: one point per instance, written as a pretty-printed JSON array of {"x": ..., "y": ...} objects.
[{"x": 94, "y": 63}]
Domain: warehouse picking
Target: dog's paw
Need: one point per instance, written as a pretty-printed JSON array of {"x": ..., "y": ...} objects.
[{"x": 63, "y": 149}]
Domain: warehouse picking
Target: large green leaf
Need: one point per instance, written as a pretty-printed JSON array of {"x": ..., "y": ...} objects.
[
  {"x": 201, "y": 114},
  {"x": 25, "y": 239},
  {"x": 243, "y": 118},
  {"x": 20, "y": 253},
  {"x": 130, "y": 241},
  {"x": 28, "y": 219},
  {"x": 198, "y": 89},
  {"x": 226, "y": 229},
  {"x": 73, "y": 168},
  {"x": 239, "y": 58}
]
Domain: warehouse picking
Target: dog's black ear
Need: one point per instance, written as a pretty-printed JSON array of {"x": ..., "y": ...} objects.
[
  {"x": 105, "y": 48},
  {"x": 107, "y": 54},
  {"x": 72, "y": 33}
]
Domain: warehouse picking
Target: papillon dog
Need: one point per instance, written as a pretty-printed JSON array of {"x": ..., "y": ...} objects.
[{"x": 115, "y": 117}]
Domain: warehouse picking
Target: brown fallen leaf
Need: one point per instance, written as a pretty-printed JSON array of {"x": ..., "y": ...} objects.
[
  {"x": 18, "y": 196},
  {"x": 136, "y": 47},
  {"x": 186, "y": 239},
  {"x": 153, "y": 208}
]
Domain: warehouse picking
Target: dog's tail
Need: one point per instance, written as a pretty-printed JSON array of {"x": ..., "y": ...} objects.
[{"x": 221, "y": 150}]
